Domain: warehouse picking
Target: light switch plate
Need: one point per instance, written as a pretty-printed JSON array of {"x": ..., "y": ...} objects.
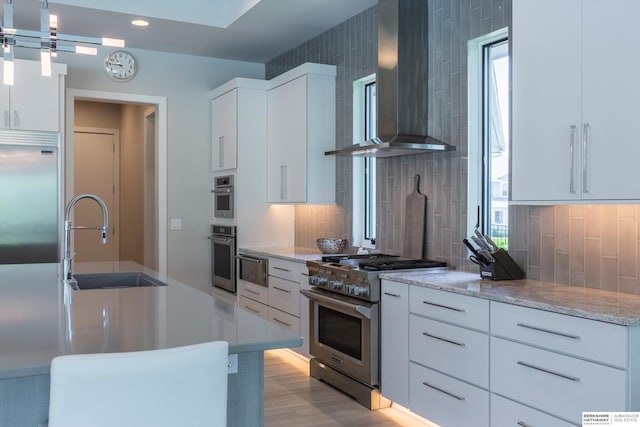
[
  {"x": 176, "y": 224},
  {"x": 232, "y": 365}
]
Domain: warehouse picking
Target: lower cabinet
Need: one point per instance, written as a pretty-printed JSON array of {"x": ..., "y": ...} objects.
[
  {"x": 505, "y": 412},
  {"x": 561, "y": 385},
  {"x": 281, "y": 301},
  {"x": 445, "y": 400},
  {"x": 255, "y": 307},
  {"x": 510, "y": 366}
]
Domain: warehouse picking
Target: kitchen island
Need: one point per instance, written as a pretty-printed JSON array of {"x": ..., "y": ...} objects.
[{"x": 41, "y": 319}]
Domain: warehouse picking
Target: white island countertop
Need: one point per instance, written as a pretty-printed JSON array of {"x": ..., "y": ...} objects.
[
  {"x": 37, "y": 325},
  {"x": 606, "y": 306}
]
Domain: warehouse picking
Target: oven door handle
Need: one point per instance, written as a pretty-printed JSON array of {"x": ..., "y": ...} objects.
[{"x": 354, "y": 308}]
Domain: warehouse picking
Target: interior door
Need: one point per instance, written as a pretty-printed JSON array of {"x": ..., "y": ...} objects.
[{"x": 95, "y": 172}]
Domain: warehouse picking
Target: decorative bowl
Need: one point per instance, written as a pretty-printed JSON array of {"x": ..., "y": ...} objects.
[{"x": 331, "y": 245}]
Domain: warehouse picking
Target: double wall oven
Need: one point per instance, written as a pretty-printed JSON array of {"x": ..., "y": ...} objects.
[{"x": 344, "y": 311}]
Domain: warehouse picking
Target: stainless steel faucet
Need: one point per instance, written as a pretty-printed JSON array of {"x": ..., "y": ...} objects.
[{"x": 66, "y": 261}]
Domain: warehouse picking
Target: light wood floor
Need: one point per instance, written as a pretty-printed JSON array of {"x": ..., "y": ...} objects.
[{"x": 293, "y": 398}]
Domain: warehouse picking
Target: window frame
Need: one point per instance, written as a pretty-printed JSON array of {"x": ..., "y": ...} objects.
[
  {"x": 360, "y": 124},
  {"x": 477, "y": 208}
]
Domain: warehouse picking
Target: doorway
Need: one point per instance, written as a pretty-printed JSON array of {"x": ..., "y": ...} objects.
[
  {"x": 97, "y": 171},
  {"x": 149, "y": 174}
]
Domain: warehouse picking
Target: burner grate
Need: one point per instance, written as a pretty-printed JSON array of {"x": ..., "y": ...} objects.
[{"x": 400, "y": 264}]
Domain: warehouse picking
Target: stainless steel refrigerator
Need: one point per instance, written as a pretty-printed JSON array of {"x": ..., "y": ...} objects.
[{"x": 30, "y": 197}]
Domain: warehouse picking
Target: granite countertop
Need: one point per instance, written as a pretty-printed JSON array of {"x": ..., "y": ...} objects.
[
  {"x": 40, "y": 318},
  {"x": 296, "y": 254},
  {"x": 606, "y": 306}
]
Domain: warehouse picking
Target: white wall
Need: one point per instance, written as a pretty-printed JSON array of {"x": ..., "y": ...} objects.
[{"x": 185, "y": 81}]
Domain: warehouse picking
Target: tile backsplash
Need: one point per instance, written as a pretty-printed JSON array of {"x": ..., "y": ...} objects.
[{"x": 595, "y": 246}]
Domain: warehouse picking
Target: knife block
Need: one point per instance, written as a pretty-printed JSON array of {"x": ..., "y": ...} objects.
[{"x": 503, "y": 268}]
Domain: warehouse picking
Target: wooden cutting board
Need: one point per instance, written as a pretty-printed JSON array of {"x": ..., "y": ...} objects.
[{"x": 415, "y": 221}]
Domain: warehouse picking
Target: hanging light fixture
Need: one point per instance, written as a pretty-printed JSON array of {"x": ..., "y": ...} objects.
[{"x": 47, "y": 40}]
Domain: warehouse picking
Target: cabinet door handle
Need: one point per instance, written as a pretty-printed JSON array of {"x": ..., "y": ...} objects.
[
  {"x": 549, "y": 331},
  {"x": 7, "y": 122},
  {"x": 586, "y": 129},
  {"x": 221, "y": 151},
  {"x": 392, "y": 295},
  {"x": 282, "y": 290},
  {"x": 523, "y": 424},
  {"x": 572, "y": 187},
  {"x": 283, "y": 182},
  {"x": 15, "y": 119},
  {"x": 460, "y": 344},
  {"x": 281, "y": 269},
  {"x": 548, "y": 371},
  {"x": 448, "y": 393},
  {"x": 252, "y": 292},
  {"x": 460, "y": 310},
  {"x": 275, "y": 319},
  {"x": 253, "y": 310}
]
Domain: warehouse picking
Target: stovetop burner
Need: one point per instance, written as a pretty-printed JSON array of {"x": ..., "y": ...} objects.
[{"x": 381, "y": 262}]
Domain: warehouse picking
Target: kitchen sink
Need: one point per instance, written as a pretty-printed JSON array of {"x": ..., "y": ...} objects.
[{"x": 115, "y": 280}]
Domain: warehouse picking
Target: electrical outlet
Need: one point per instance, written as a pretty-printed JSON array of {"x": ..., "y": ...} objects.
[{"x": 232, "y": 365}]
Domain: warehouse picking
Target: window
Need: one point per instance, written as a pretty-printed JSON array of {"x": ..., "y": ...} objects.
[
  {"x": 364, "y": 169},
  {"x": 488, "y": 204}
]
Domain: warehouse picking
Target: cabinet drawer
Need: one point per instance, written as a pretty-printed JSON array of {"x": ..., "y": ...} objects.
[
  {"x": 584, "y": 338},
  {"x": 284, "y": 295},
  {"x": 557, "y": 384},
  {"x": 507, "y": 413},
  {"x": 456, "y": 351},
  {"x": 253, "y": 291},
  {"x": 446, "y": 401},
  {"x": 288, "y": 270},
  {"x": 449, "y": 307},
  {"x": 284, "y": 320},
  {"x": 254, "y": 307}
]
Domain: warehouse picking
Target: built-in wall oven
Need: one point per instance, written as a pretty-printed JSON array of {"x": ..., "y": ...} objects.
[
  {"x": 223, "y": 197},
  {"x": 223, "y": 257}
]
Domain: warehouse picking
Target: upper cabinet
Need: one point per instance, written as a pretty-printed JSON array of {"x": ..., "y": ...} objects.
[
  {"x": 33, "y": 102},
  {"x": 224, "y": 131},
  {"x": 575, "y": 116},
  {"x": 301, "y": 127}
]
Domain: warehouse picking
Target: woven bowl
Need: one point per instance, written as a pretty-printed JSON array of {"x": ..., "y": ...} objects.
[{"x": 331, "y": 245}]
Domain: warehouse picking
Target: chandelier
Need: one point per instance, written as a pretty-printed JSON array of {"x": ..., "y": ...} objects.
[{"x": 48, "y": 41}]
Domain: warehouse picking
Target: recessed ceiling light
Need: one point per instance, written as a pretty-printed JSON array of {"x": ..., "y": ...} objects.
[{"x": 140, "y": 23}]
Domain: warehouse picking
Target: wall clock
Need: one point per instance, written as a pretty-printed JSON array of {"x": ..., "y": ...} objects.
[{"x": 120, "y": 66}]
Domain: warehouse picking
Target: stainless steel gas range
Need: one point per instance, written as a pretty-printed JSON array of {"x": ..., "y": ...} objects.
[{"x": 344, "y": 321}]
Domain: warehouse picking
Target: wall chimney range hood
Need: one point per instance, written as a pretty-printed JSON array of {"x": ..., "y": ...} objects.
[{"x": 401, "y": 84}]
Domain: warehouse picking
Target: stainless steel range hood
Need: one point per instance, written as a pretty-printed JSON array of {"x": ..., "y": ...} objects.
[{"x": 401, "y": 86}]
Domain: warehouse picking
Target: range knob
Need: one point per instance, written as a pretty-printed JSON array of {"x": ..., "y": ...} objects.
[
  {"x": 313, "y": 280},
  {"x": 335, "y": 284},
  {"x": 322, "y": 281}
]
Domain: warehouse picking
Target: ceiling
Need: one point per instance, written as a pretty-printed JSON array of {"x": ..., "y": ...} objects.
[{"x": 246, "y": 30}]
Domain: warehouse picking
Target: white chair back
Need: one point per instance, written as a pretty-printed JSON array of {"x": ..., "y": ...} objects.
[{"x": 183, "y": 386}]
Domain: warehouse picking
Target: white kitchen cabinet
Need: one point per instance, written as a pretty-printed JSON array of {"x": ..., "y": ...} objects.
[
  {"x": 304, "y": 316},
  {"x": 394, "y": 339},
  {"x": 557, "y": 384},
  {"x": 301, "y": 127},
  {"x": 284, "y": 296},
  {"x": 574, "y": 117},
  {"x": 224, "y": 131},
  {"x": 505, "y": 412},
  {"x": 33, "y": 102},
  {"x": 473, "y": 361},
  {"x": 447, "y": 401}
]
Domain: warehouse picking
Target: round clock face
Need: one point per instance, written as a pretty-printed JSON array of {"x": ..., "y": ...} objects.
[{"x": 120, "y": 66}]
